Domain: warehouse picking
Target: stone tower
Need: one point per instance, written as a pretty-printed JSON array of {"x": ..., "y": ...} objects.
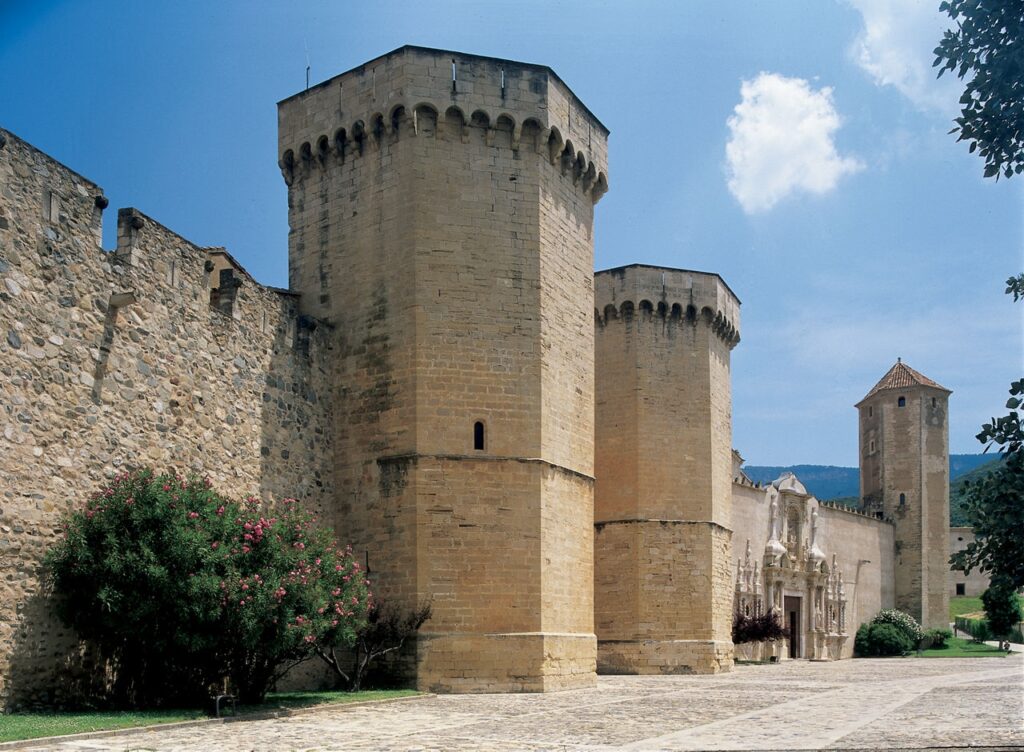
[
  {"x": 663, "y": 583},
  {"x": 904, "y": 476},
  {"x": 441, "y": 208}
]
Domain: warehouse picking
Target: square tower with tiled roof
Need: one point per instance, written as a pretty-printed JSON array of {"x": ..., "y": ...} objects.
[{"x": 904, "y": 477}]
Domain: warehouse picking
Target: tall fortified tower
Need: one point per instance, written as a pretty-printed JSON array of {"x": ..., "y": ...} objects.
[
  {"x": 441, "y": 208},
  {"x": 904, "y": 475},
  {"x": 663, "y": 585}
]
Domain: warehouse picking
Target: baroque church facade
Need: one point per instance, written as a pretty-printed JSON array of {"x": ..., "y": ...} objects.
[{"x": 542, "y": 452}]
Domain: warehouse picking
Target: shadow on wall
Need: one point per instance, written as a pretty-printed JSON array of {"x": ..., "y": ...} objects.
[{"x": 41, "y": 641}]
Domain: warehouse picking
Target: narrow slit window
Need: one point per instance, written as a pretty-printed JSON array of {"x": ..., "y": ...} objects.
[
  {"x": 478, "y": 436},
  {"x": 871, "y": 411},
  {"x": 903, "y": 500}
]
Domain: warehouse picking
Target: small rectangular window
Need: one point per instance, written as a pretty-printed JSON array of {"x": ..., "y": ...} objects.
[{"x": 961, "y": 588}]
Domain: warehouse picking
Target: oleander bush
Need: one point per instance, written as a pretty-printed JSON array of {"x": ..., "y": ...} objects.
[{"x": 179, "y": 587}]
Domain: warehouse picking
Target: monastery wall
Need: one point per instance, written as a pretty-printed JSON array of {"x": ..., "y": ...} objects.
[
  {"x": 864, "y": 547},
  {"x": 110, "y": 361}
]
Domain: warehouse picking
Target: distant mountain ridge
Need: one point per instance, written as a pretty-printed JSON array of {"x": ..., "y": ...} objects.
[{"x": 833, "y": 481}]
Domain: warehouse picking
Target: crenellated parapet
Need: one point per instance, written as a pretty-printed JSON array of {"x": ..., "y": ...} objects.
[
  {"x": 415, "y": 92},
  {"x": 675, "y": 297}
]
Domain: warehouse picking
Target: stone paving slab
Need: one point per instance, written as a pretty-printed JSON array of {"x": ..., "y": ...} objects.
[{"x": 854, "y": 704}]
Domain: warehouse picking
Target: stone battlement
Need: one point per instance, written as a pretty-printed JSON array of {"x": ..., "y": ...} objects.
[
  {"x": 673, "y": 295},
  {"x": 420, "y": 92}
]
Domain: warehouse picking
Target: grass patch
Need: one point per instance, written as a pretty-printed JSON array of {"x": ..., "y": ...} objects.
[
  {"x": 962, "y": 605},
  {"x": 957, "y": 647},
  {"x": 17, "y": 726},
  {"x": 32, "y": 725},
  {"x": 971, "y": 606}
]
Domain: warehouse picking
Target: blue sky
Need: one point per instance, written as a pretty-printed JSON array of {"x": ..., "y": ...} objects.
[{"x": 799, "y": 149}]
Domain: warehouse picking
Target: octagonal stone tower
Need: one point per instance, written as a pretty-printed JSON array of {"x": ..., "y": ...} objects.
[
  {"x": 904, "y": 477},
  {"x": 663, "y": 584},
  {"x": 441, "y": 209}
]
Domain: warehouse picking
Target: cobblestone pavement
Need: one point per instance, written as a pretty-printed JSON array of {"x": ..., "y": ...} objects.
[{"x": 862, "y": 704}]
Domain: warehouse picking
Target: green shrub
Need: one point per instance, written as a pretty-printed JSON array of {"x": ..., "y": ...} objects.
[
  {"x": 881, "y": 640},
  {"x": 1002, "y": 607},
  {"x": 902, "y": 621},
  {"x": 938, "y": 637},
  {"x": 179, "y": 587}
]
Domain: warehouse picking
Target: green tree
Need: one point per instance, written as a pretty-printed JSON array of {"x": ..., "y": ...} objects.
[
  {"x": 994, "y": 505},
  {"x": 1002, "y": 606},
  {"x": 986, "y": 50}
]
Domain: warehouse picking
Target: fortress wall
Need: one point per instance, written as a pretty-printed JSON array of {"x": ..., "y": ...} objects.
[
  {"x": 110, "y": 361},
  {"x": 864, "y": 553}
]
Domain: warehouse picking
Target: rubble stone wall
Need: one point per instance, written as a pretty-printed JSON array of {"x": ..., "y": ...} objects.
[{"x": 116, "y": 360}]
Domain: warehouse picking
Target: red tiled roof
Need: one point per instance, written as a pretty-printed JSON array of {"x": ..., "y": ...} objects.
[{"x": 901, "y": 376}]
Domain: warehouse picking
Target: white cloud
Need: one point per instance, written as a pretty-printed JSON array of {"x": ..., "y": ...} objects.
[
  {"x": 895, "y": 47},
  {"x": 781, "y": 142}
]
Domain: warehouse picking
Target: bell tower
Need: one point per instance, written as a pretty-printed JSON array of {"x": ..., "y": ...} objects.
[
  {"x": 904, "y": 477},
  {"x": 441, "y": 211}
]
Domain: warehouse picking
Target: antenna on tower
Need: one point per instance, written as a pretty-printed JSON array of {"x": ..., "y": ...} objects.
[{"x": 306, "y": 48}]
